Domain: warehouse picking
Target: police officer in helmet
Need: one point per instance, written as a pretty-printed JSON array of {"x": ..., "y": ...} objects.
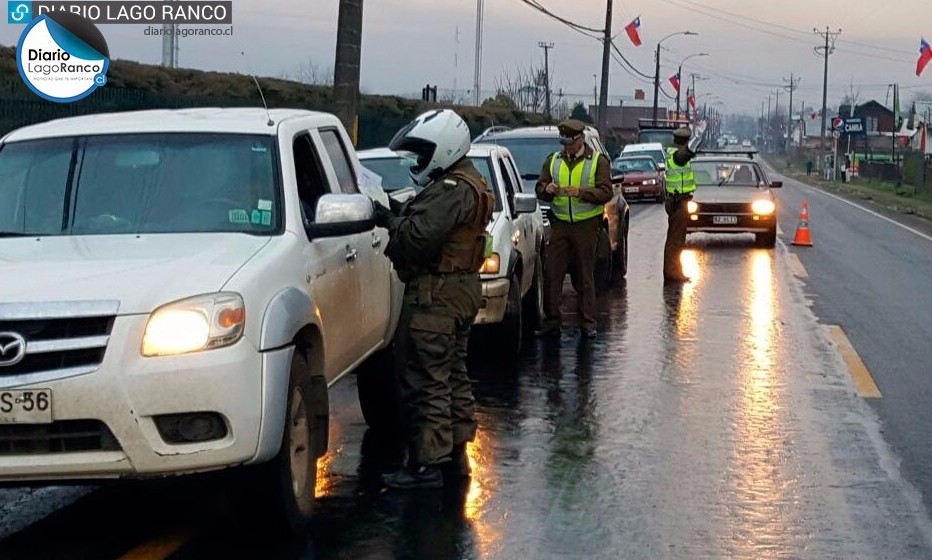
[
  {"x": 681, "y": 183},
  {"x": 437, "y": 243}
]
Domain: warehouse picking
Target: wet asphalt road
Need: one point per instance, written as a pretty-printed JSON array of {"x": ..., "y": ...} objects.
[{"x": 714, "y": 420}]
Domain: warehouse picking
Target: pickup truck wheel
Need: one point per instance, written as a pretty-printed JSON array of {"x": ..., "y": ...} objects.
[
  {"x": 534, "y": 299},
  {"x": 379, "y": 393},
  {"x": 280, "y": 493},
  {"x": 620, "y": 257},
  {"x": 604, "y": 262}
]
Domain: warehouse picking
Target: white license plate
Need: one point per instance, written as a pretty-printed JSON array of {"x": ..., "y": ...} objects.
[
  {"x": 26, "y": 407},
  {"x": 725, "y": 220},
  {"x": 632, "y": 189}
]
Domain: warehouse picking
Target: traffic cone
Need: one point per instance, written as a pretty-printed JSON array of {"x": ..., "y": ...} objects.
[{"x": 803, "y": 236}]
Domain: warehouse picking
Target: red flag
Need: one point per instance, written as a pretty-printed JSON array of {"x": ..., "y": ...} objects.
[
  {"x": 675, "y": 80},
  {"x": 632, "y": 30},
  {"x": 691, "y": 99},
  {"x": 925, "y": 56}
]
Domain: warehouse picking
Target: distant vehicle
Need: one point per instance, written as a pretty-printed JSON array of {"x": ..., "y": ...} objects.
[
  {"x": 745, "y": 143},
  {"x": 512, "y": 278},
  {"x": 530, "y": 147},
  {"x": 659, "y": 131},
  {"x": 652, "y": 149},
  {"x": 733, "y": 195},
  {"x": 642, "y": 178}
]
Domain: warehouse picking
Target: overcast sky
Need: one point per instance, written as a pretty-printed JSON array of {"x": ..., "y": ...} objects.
[{"x": 407, "y": 43}]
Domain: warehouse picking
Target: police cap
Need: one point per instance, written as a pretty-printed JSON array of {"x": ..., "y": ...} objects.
[
  {"x": 571, "y": 127},
  {"x": 682, "y": 133}
]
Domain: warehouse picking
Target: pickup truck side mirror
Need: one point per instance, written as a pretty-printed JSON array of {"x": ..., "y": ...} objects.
[
  {"x": 342, "y": 214},
  {"x": 525, "y": 203},
  {"x": 776, "y": 184}
]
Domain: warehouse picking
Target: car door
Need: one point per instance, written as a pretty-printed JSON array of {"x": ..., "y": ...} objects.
[
  {"x": 522, "y": 235},
  {"x": 373, "y": 269},
  {"x": 332, "y": 277}
]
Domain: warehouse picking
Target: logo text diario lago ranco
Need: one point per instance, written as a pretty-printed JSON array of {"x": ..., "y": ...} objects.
[{"x": 62, "y": 57}]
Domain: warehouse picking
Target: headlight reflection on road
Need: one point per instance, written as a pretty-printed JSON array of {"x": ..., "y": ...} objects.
[
  {"x": 689, "y": 259},
  {"x": 760, "y": 500},
  {"x": 481, "y": 487}
]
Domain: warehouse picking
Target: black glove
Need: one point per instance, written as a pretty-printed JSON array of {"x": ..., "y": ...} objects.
[{"x": 383, "y": 216}]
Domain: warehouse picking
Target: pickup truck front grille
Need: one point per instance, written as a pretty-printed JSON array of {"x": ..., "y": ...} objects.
[
  {"x": 64, "y": 436},
  {"x": 61, "y": 339}
]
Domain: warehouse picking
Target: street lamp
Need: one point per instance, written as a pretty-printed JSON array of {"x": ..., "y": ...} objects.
[
  {"x": 657, "y": 71},
  {"x": 679, "y": 74}
]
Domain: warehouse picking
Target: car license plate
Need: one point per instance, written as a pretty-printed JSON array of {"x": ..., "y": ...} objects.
[
  {"x": 632, "y": 189},
  {"x": 26, "y": 407},
  {"x": 725, "y": 220}
]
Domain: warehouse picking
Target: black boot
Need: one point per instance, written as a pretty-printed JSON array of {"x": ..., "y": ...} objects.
[{"x": 415, "y": 478}]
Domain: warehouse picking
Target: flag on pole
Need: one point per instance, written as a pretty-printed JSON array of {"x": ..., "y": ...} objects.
[
  {"x": 925, "y": 56},
  {"x": 632, "y": 30},
  {"x": 691, "y": 99},
  {"x": 675, "y": 80}
]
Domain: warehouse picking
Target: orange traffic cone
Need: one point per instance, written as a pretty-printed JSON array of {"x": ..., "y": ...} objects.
[{"x": 803, "y": 236}]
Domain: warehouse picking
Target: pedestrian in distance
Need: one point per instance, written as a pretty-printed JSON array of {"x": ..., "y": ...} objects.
[
  {"x": 437, "y": 243},
  {"x": 577, "y": 183},
  {"x": 681, "y": 184},
  {"x": 808, "y": 168}
]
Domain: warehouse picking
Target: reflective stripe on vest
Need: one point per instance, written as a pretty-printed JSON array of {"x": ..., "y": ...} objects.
[
  {"x": 570, "y": 209},
  {"x": 680, "y": 178}
]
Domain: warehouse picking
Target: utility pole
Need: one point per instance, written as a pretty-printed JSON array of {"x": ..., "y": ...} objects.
[
  {"x": 546, "y": 47},
  {"x": 762, "y": 121},
  {"x": 791, "y": 86},
  {"x": 769, "y": 132},
  {"x": 606, "y": 54},
  {"x": 477, "y": 74},
  {"x": 656, "y": 81},
  {"x": 346, "y": 66},
  {"x": 825, "y": 51}
]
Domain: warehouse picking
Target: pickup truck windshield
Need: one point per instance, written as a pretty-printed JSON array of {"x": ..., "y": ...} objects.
[{"x": 140, "y": 183}]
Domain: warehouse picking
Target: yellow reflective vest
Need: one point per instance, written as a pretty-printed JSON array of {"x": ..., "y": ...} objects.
[
  {"x": 570, "y": 209},
  {"x": 680, "y": 179}
]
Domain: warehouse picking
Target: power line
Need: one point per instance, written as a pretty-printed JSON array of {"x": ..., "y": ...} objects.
[
  {"x": 829, "y": 48},
  {"x": 540, "y": 8}
]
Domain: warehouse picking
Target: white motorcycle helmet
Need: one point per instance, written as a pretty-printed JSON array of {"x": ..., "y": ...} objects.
[{"x": 435, "y": 140}]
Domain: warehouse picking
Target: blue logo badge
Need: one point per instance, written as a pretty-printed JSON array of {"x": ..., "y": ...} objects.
[{"x": 18, "y": 12}]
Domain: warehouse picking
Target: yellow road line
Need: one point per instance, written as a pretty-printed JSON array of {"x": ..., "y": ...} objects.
[
  {"x": 863, "y": 380},
  {"x": 797, "y": 266},
  {"x": 159, "y": 549}
]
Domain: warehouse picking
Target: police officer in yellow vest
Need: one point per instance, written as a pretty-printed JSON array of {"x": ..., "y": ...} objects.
[
  {"x": 577, "y": 182},
  {"x": 681, "y": 183}
]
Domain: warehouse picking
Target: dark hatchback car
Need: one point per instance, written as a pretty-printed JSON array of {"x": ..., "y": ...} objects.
[
  {"x": 640, "y": 177},
  {"x": 733, "y": 195}
]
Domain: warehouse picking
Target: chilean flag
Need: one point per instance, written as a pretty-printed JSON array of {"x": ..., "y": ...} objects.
[
  {"x": 632, "y": 30},
  {"x": 675, "y": 80},
  {"x": 925, "y": 55},
  {"x": 691, "y": 99}
]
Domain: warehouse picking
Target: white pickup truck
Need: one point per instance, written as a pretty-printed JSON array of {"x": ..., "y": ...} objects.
[{"x": 179, "y": 289}]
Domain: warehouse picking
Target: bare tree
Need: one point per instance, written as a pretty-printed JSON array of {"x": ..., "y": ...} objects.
[
  {"x": 312, "y": 73},
  {"x": 525, "y": 87}
]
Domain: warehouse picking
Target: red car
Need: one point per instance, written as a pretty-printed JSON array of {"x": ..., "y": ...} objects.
[{"x": 639, "y": 177}]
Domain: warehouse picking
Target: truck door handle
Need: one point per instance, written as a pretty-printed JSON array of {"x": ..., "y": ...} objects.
[
  {"x": 376, "y": 241},
  {"x": 351, "y": 254}
]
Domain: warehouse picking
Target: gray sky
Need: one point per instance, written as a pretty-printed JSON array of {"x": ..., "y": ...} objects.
[{"x": 407, "y": 43}]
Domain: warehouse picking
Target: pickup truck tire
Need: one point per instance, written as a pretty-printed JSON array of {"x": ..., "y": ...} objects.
[
  {"x": 279, "y": 494},
  {"x": 534, "y": 299},
  {"x": 507, "y": 335},
  {"x": 379, "y": 392},
  {"x": 620, "y": 256}
]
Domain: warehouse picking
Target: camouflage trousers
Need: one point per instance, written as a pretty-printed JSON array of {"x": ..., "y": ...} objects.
[{"x": 439, "y": 407}]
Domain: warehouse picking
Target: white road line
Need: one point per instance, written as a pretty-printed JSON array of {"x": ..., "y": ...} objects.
[{"x": 858, "y": 206}]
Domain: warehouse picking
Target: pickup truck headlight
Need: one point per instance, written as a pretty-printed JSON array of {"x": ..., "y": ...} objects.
[
  {"x": 763, "y": 207},
  {"x": 491, "y": 265},
  {"x": 194, "y": 324},
  {"x": 692, "y": 207}
]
